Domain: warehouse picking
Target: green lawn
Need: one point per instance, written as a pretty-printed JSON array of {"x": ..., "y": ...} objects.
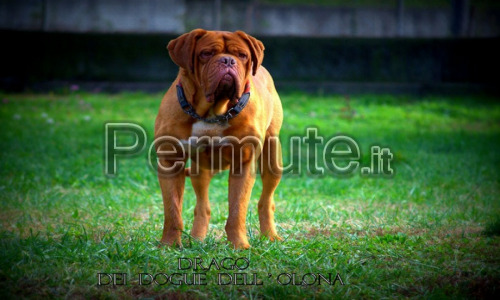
[{"x": 430, "y": 230}]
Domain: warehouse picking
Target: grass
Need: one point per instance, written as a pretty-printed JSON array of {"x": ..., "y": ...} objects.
[{"x": 429, "y": 231}]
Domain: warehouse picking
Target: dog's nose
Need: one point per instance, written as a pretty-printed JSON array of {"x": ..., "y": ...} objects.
[{"x": 228, "y": 61}]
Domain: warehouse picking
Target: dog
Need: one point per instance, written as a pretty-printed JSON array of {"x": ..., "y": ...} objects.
[{"x": 224, "y": 111}]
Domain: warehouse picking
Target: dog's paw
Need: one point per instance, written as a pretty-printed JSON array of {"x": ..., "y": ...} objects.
[
  {"x": 241, "y": 245},
  {"x": 171, "y": 240},
  {"x": 171, "y": 245},
  {"x": 273, "y": 237}
]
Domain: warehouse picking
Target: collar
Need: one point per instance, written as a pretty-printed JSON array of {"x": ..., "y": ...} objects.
[{"x": 220, "y": 119}]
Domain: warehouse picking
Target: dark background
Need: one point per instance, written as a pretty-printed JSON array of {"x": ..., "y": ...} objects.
[{"x": 399, "y": 46}]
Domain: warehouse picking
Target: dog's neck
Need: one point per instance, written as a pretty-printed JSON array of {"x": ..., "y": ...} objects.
[{"x": 199, "y": 102}]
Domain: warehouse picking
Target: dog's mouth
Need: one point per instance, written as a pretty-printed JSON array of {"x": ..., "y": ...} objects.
[{"x": 226, "y": 87}]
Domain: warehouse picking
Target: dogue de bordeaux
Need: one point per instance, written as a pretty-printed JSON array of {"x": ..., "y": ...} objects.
[{"x": 223, "y": 112}]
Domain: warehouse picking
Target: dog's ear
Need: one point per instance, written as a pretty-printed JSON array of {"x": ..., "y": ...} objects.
[
  {"x": 181, "y": 49},
  {"x": 256, "y": 49}
]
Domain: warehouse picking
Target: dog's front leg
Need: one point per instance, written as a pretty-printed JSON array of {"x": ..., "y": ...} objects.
[
  {"x": 200, "y": 180},
  {"x": 172, "y": 189},
  {"x": 241, "y": 181}
]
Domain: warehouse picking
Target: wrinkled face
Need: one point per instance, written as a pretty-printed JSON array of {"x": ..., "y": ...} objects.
[{"x": 221, "y": 62}]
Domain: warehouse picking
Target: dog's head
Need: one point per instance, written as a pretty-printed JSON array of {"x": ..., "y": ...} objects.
[{"x": 219, "y": 61}]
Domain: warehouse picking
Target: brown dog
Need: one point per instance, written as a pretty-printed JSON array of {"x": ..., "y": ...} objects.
[{"x": 224, "y": 112}]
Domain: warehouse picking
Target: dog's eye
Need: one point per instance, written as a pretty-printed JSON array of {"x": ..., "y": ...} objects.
[
  {"x": 242, "y": 55},
  {"x": 206, "y": 54}
]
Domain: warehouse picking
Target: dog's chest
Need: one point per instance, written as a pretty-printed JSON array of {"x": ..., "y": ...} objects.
[
  {"x": 204, "y": 138},
  {"x": 202, "y": 129}
]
